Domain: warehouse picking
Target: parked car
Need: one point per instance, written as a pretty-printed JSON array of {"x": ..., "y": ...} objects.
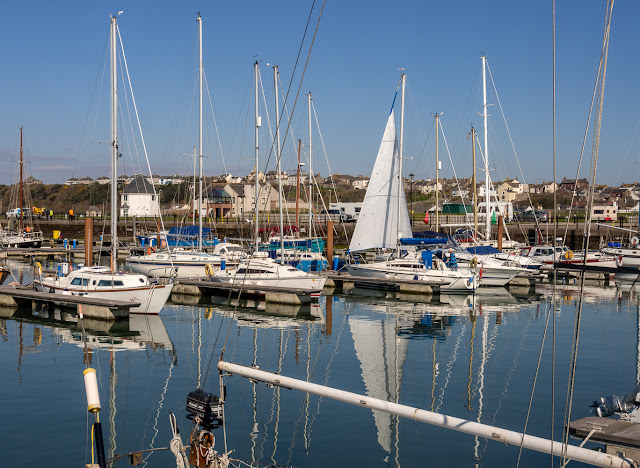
[
  {"x": 531, "y": 216},
  {"x": 336, "y": 216},
  {"x": 15, "y": 213}
]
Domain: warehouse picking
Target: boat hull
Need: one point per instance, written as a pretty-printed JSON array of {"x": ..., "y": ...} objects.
[
  {"x": 151, "y": 298},
  {"x": 457, "y": 283}
]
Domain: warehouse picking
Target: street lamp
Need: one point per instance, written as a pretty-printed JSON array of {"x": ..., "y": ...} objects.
[{"x": 411, "y": 176}]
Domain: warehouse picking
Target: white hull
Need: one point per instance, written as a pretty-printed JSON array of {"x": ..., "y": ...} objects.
[
  {"x": 457, "y": 280},
  {"x": 630, "y": 257},
  {"x": 496, "y": 276},
  {"x": 151, "y": 298},
  {"x": 314, "y": 284}
]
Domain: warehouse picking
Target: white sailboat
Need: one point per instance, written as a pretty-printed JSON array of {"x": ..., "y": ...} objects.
[
  {"x": 384, "y": 220},
  {"x": 103, "y": 282},
  {"x": 258, "y": 269},
  {"x": 183, "y": 263}
]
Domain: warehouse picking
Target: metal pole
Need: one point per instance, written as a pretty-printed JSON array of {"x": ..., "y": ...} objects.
[
  {"x": 437, "y": 170},
  {"x": 400, "y": 154},
  {"x": 470, "y": 427},
  {"x": 297, "y": 187},
  {"x": 310, "y": 171},
  {"x": 114, "y": 147},
  {"x": 487, "y": 192},
  {"x": 275, "y": 87},
  {"x": 475, "y": 188},
  {"x": 200, "y": 73},
  {"x": 21, "y": 190},
  {"x": 255, "y": 171}
]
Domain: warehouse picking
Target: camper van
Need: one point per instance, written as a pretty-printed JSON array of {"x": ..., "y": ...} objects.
[{"x": 352, "y": 209}]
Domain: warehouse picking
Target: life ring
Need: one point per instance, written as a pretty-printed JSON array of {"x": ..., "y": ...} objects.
[
  {"x": 474, "y": 262},
  {"x": 635, "y": 241},
  {"x": 38, "y": 268},
  {"x": 150, "y": 250},
  {"x": 208, "y": 269},
  {"x": 568, "y": 254}
]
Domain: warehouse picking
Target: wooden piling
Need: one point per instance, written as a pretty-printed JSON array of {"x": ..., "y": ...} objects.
[
  {"x": 500, "y": 231},
  {"x": 88, "y": 241},
  {"x": 329, "y": 245}
]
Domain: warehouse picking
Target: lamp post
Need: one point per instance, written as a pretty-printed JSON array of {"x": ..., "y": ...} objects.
[{"x": 411, "y": 176}]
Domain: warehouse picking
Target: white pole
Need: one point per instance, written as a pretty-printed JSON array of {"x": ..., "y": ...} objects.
[
  {"x": 201, "y": 73},
  {"x": 483, "y": 430},
  {"x": 487, "y": 188},
  {"x": 114, "y": 147},
  {"x": 255, "y": 171},
  {"x": 275, "y": 86},
  {"x": 310, "y": 171},
  {"x": 400, "y": 153}
]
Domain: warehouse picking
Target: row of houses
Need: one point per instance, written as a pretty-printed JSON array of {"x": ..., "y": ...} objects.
[{"x": 124, "y": 179}]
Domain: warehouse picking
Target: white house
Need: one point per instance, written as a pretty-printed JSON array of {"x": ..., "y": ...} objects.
[
  {"x": 243, "y": 198},
  {"x": 138, "y": 199},
  {"x": 361, "y": 183}
]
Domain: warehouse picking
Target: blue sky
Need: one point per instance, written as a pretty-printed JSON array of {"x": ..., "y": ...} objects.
[{"x": 53, "y": 54}]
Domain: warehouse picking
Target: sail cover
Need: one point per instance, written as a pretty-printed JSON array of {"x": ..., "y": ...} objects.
[{"x": 378, "y": 225}]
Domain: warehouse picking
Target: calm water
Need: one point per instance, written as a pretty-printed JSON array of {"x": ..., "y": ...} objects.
[{"x": 466, "y": 357}]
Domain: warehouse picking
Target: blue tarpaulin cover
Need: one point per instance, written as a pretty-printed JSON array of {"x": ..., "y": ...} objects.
[
  {"x": 483, "y": 250},
  {"x": 423, "y": 241}
]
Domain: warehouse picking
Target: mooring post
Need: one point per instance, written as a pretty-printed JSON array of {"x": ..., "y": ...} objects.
[
  {"x": 500, "y": 229},
  {"x": 88, "y": 241},
  {"x": 329, "y": 245}
]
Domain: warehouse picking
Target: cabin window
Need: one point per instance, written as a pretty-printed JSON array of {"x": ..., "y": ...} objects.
[
  {"x": 118, "y": 283},
  {"x": 76, "y": 282},
  {"x": 241, "y": 271},
  {"x": 105, "y": 283}
]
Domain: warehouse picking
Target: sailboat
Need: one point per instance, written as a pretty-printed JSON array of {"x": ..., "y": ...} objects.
[
  {"x": 24, "y": 236},
  {"x": 384, "y": 221},
  {"x": 258, "y": 269},
  {"x": 183, "y": 263},
  {"x": 108, "y": 282}
]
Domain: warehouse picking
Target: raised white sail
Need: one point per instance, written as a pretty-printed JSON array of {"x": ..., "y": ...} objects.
[{"x": 378, "y": 225}]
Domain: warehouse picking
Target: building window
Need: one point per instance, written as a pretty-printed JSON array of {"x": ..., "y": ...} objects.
[
  {"x": 125, "y": 197},
  {"x": 264, "y": 200},
  {"x": 153, "y": 198}
]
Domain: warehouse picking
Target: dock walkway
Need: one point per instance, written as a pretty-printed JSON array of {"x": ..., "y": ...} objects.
[{"x": 91, "y": 307}]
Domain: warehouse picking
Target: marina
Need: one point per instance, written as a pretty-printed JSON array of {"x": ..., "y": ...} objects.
[
  {"x": 260, "y": 252},
  {"x": 470, "y": 357}
]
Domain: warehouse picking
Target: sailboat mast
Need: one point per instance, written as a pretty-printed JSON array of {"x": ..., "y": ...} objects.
[
  {"x": 114, "y": 147},
  {"x": 200, "y": 73},
  {"x": 298, "y": 186},
  {"x": 487, "y": 192},
  {"x": 255, "y": 171},
  {"x": 400, "y": 154},
  {"x": 275, "y": 87},
  {"x": 21, "y": 190},
  {"x": 474, "y": 183},
  {"x": 310, "y": 170},
  {"x": 437, "y": 171}
]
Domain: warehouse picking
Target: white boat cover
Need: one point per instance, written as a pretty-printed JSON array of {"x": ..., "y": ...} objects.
[{"x": 378, "y": 225}]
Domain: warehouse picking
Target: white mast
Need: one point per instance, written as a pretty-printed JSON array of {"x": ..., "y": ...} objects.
[
  {"x": 310, "y": 170},
  {"x": 255, "y": 171},
  {"x": 487, "y": 187},
  {"x": 200, "y": 72},
  {"x": 114, "y": 146},
  {"x": 275, "y": 87},
  {"x": 400, "y": 150}
]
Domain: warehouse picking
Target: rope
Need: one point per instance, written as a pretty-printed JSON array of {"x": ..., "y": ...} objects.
[{"x": 176, "y": 446}]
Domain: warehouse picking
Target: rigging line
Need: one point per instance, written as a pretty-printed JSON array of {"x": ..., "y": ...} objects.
[
  {"x": 555, "y": 231},
  {"x": 144, "y": 146},
  {"x": 584, "y": 139},
  {"x": 597, "y": 127},
  {"x": 173, "y": 128},
  {"x": 510, "y": 137},
  {"x": 550, "y": 310},
  {"x": 635, "y": 132},
  {"x": 93, "y": 93},
  {"x": 215, "y": 123},
  {"x": 124, "y": 116},
  {"x": 326, "y": 157},
  {"x": 304, "y": 71},
  {"x": 455, "y": 175}
]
